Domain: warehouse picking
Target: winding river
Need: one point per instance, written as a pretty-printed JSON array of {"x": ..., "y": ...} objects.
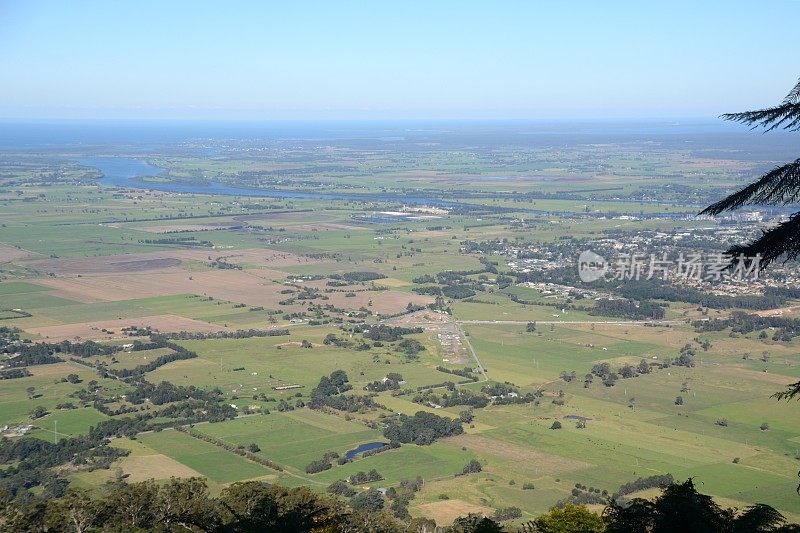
[{"x": 127, "y": 172}]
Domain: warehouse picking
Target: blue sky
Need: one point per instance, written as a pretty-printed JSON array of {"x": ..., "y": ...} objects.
[{"x": 384, "y": 59}]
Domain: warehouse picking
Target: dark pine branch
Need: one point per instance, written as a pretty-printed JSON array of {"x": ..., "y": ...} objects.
[
  {"x": 790, "y": 392},
  {"x": 786, "y": 115},
  {"x": 782, "y": 240},
  {"x": 779, "y": 186},
  {"x": 794, "y": 95}
]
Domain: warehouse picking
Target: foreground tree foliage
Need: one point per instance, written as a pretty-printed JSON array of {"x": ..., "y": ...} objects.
[
  {"x": 780, "y": 186},
  {"x": 681, "y": 508},
  {"x": 251, "y": 506}
]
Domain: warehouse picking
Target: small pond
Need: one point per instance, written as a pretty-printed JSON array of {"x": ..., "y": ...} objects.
[{"x": 351, "y": 454}]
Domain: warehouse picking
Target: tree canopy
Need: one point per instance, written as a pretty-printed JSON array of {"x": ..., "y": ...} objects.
[{"x": 779, "y": 186}]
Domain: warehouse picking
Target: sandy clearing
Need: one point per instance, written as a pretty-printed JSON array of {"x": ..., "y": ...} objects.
[
  {"x": 156, "y": 466},
  {"x": 779, "y": 312},
  {"x": 545, "y": 462},
  {"x": 93, "y": 330},
  {"x": 444, "y": 512}
]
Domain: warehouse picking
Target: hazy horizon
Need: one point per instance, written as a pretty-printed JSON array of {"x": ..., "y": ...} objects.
[{"x": 348, "y": 61}]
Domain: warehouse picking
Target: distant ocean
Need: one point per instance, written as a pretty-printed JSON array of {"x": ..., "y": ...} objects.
[{"x": 18, "y": 134}]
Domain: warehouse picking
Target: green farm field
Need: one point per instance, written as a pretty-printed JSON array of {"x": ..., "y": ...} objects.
[{"x": 267, "y": 293}]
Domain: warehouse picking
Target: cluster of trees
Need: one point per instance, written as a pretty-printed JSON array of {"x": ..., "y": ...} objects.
[
  {"x": 382, "y": 332},
  {"x": 320, "y": 465},
  {"x": 643, "y": 483},
  {"x": 336, "y": 383},
  {"x": 233, "y": 334},
  {"x": 609, "y": 377},
  {"x": 507, "y": 513},
  {"x": 14, "y": 373},
  {"x": 466, "y": 372},
  {"x": 179, "y": 241},
  {"x": 166, "y": 392},
  {"x": 603, "y": 371},
  {"x": 655, "y": 289},
  {"x": 499, "y": 389},
  {"x": 631, "y": 309},
  {"x": 44, "y": 353},
  {"x": 8, "y": 337},
  {"x": 328, "y": 393},
  {"x": 457, "y": 292},
  {"x": 359, "y": 478},
  {"x": 456, "y": 397},
  {"x": 681, "y": 508},
  {"x": 744, "y": 323},
  {"x": 332, "y": 339},
  {"x": 583, "y": 495},
  {"x": 33, "y": 460},
  {"x": 341, "y": 488},
  {"x": 224, "y": 265},
  {"x": 528, "y": 397},
  {"x": 391, "y": 382},
  {"x": 456, "y": 284},
  {"x": 354, "y": 277},
  {"x": 472, "y": 467},
  {"x": 685, "y": 356},
  {"x": 401, "y": 495},
  {"x": 421, "y": 429},
  {"x": 350, "y": 403},
  {"x": 29, "y": 357},
  {"x": 178, "y": 353},
  {"x": 186, "y": 505}
]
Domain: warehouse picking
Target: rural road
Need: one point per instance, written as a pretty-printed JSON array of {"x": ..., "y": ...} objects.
[
  {"x": 472, "y": 351},
  {"x": 609, "y": 322}
]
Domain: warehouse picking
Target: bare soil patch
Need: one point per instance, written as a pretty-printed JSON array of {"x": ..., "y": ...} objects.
[
  {"x": 545, "y": 462},
  {"x": 156, "y": 466},
  {"x": 788, "y": 311},
  {"x": 11, "y": 253},
  {"x": 94, "y": 330},
  {"x": 238, "y": 286},
  {"x": 383, "y": 302},
  {"x": 143, "y": 262},
  {"x": 444, "y": 512},
  {"x": 55, "y": 369}
]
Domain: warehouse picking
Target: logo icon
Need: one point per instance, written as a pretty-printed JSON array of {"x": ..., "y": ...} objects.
[{"x": 591, "y": 266}]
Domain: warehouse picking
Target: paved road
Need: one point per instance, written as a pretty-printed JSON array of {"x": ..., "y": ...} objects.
[
  {"x": 608, "y": 322},
  {"x": 472, "y": 351}
]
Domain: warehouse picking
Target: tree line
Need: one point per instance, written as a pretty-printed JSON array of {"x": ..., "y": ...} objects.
[{"x": 187, "y": 505}]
